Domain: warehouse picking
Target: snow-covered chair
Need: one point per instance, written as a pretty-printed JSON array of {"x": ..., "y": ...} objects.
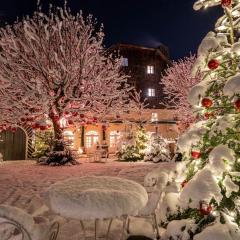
[
  {"x": 18, "y": 225},
  {"x": 149, "y": 211}
]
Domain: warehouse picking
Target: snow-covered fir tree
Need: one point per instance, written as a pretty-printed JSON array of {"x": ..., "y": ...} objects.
[
  {"x": 158, "y": 150},
  {"x": 53, "y": 67},
  {"x": 207, "y": 206},
  {"x": 135, "y": 148}
]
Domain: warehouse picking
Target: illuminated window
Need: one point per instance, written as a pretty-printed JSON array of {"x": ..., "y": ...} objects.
[
  {"x": 92, "y": 138},
  {"x": 124, "y": 62},
  {"x": 114, "y": 138},
  {"x": 154, "y": 117},
  {"x": 150, "y": 69},
  {"x": 68, "y": 138},
  {"x": 151, "y": 92}
]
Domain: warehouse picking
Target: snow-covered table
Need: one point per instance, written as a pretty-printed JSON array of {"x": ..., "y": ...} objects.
[{"x": 94, "y": 198}]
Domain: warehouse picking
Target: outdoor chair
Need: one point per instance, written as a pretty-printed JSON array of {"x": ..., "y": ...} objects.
[
  {"x": 17, "y": 224},
  {"x": 149, "y": 211}
]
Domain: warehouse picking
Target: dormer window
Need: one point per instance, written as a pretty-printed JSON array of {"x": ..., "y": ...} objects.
[{"x": 150, "y": 69}]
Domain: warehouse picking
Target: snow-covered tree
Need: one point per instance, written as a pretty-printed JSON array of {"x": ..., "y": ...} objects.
[
  {"x": 177, "y": 82},
  {"x": 135, "y": 147},
  {"x": 208, "y": 204},
  {"x": 158, "y": 150},
  {"x": 54, "y": 66}
]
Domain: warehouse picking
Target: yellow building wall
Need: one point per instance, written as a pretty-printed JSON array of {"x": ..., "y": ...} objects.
[{"x": 167, "y": 130}]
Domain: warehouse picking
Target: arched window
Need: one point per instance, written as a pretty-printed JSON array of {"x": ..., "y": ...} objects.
[
  {"x": 114, "y": 138},
  {"x": 92, "y": 137}
]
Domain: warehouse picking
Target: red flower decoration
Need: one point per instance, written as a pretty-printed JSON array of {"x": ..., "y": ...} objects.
[
  {"x": 226, "y": 3},
  {"x": 206, "y": 102},
  {"x": 195, "y": 154},
  {"x": 213, "y": 64},
  {"x": 237, "y": 104}
]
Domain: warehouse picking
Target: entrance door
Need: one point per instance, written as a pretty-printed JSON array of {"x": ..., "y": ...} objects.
[
  {"x": 13, "y": 145},
  {"x": 92, "y": 138}
]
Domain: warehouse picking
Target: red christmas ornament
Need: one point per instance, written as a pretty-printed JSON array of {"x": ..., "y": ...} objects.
[
  {"x": 213, "y": 64},
  {"x": 43, "y": 128},
  {"x": 70, "y": 122},
  {"x": 55, "y": 118},
  {"x": 94, "y": 119},
  {"x": 237, "y": 104},
  {"x": 30, "y": 119},
  {"x": 13, "y": 129},
  {"x": 184, "y": 183},
  {"x": 206, "y": 102},
  {"x": 22, "y": 119},
  {"x": 195, "y": 154},
  {"x": 74, "y": 114},
  {"x": 205, "y": 209},
  {"x": 81, "y": 115},
  {"x": 226, "y": 3},
  {"x": 35, "y": 126}
]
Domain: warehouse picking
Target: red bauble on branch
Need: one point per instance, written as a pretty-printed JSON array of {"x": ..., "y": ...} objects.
[
  {"x": 207, "y": 102},
  {"x": 70, "y": 122},
  {"x": 226, "y": 3},
  {"x": 237, "y": 104},
  {"x": 213, "y": 64},
  {"x": 13, "y": 129},
  {"x": 205, "y": 209},
  {"x": 43, "y": 128},
  {"x": 196, "y": 154},
  {"x": 74, "y": 114}
]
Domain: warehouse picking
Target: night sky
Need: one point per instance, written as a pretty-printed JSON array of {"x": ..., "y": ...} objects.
[{"x": 146, "y": 22}]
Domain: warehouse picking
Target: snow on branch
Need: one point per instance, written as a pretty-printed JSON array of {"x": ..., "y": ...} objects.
[
  {"x": 177, "y": 82},
  {"x": 56, "y": 63}
]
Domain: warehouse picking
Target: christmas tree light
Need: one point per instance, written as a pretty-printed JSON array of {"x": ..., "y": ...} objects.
[{"x": 207, "y": 205}]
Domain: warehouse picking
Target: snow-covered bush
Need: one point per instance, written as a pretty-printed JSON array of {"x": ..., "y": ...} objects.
[{"x": 158, "y": 150}]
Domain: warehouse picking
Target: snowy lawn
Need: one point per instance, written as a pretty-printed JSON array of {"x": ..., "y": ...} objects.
[{"x": 23, "y": 182}]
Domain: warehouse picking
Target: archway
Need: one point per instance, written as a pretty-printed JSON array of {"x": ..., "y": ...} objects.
[{"x": 13, "y": 145}]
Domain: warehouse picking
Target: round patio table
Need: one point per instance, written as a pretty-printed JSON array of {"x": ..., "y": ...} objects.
[{"x": 96, "y": 198}]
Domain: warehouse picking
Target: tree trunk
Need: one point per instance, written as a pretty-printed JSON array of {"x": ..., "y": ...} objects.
[
  {"x": 58, "y": 131},
  {"x": 59, "y": 154}
]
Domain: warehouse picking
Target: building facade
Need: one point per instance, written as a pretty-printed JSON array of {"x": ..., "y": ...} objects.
[{"x": 145, "y": 67}]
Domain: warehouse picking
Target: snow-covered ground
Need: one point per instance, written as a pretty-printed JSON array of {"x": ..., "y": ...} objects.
[{"x": 23, "y": 182}]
